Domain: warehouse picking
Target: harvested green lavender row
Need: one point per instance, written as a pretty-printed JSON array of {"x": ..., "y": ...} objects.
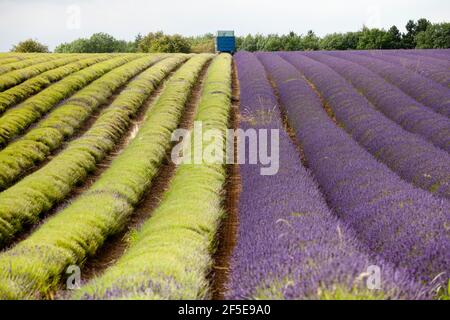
[
  {"x": 172, "y": 252},
  {"x": 16, "y": 120},
  {"x": 24, "y": 202},
  {"x": 29, "y": 62},
  {"x": 26, "y": 89},
  {"x": 36, "y": 265},
  {"x": 13, "y": 78},
  {"x": 60, "y": 124}
]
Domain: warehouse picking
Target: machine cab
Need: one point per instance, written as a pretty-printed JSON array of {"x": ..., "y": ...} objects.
[{"x": 225, "y": 42}]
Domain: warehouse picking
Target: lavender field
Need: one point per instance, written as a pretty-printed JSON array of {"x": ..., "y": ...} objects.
[
  {"x": 265, "y": 175},
  {"x": 364, "y": 176}
]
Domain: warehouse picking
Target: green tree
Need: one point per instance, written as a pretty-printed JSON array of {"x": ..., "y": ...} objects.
[
  {"x": 97, "y": 43},
  {"x": 29, "y": 45},
  {"x": 372, "y": 38},
  {"x": 310, "y": 41},
  {"x": 160, "y": 42},
  {"x": 435, "y": 36},
  {"x": 393, "y": 39}
]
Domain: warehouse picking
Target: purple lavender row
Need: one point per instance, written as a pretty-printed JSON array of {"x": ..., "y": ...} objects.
[
  {"x": 402, "y": 224},
  {"x": 417, "y": 58},
  {"x": 441, "y": 54},
  {"x": 391, "y": 101},
  {"x": 422, "y": 89},
  {"x": 289, "y": 244},
  {"x": 430, "y": 70},
  {"x": 410, "y": 156}
]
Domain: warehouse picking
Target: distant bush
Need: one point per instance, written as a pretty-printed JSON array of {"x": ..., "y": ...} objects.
[
  {"x": 97, "y": 43},
  {"x": 204, "y": 43},
  {"x": 160, "y": 42},
  {"x": 419, "y": 34},
  {"x": 29, "y": 45}
]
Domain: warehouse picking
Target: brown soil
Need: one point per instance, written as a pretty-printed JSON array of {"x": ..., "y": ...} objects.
[
  {"x": 287, "y": 126},
  {"x": 227, "y": 233}
]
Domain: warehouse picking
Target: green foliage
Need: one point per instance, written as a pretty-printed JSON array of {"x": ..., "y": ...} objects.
[
  {"x": 171, "y": 254},
  {"x": 80, "y": 229},
  {"x": 31, "y": 86},
  {"x": 62, "y": 122},
  {"x": 97, "y": 43},
  {"x": 16, "y": 120},
  {"x": 160, "y": 42},
  {"x": 435, "y": 36},
  {"x": 30, "y": 45},
  {"x": 29, "y": 61},
  {"x": 202, "y": 44},
  {"x": 275, "y": 42},
  {"x": 15, "y": 77},
  {"x": 340, "y": 41}
]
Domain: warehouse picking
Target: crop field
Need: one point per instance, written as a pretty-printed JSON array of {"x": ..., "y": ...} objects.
[{"x": 349, "y": 198}]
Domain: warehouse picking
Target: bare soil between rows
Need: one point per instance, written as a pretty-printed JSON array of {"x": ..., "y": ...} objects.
[{"x": 227, "y": 234}]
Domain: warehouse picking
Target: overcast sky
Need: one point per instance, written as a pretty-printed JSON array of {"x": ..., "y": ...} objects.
[{"x": 56, "y": 21}]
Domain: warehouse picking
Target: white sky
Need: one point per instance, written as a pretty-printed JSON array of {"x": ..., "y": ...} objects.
[{"x": 56, "y": 21}]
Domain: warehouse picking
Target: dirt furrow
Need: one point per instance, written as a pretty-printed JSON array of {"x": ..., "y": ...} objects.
[{"x": 226, "y": 236}]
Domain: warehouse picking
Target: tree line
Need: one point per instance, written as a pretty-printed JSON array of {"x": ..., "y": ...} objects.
[{"x": 420, "y": 34}]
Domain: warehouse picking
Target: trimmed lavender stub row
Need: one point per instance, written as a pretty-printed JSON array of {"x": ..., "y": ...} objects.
[
  {"x": 410, "y": 156},
  {"x": 390, "y": 100},
  {"x": 422, "y": 89},
  {"x": 289, "y": 243},
  {"x": 430, "y": 70},
  {"x": 402, "y": 224}
]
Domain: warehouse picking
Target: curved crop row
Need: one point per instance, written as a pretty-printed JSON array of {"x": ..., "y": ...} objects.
[
  {"x": 29, "y": 62},
  {"x": 26, "y": 200},
  {"x": 291, "y": 246},
  {"x": 432, "y": 71},
  {"x": 16, "y": 120},
  {"x": 402, "y": 224},
  {"x": 417, "y": 58},
  {"x": 390, "y": 100},
  {"x": 27, "y": 88},
  {"x": 11, "y": 57},
  {"x": 443, "y": 54},
  {"x": 171, "y": 254},
  {"x": 410, "y": 156},
  {"x": 4, "y": 59},
  {"x": 49, "y": 133},
  {"x": 422, "y": 89},
  {"x": 81, "y": 228},
  {"x": 15, "y": 77}
]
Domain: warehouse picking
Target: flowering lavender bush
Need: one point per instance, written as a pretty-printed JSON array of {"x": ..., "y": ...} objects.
[
  {"x": 422, "y": 89},
  {"x": 410, "y": 156},
  {"x": 390, "y": 100},
  {"x": 426, "y": 68},
  {"x": 290, "y": 245},
  {"x": 402, "y": 224}
]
